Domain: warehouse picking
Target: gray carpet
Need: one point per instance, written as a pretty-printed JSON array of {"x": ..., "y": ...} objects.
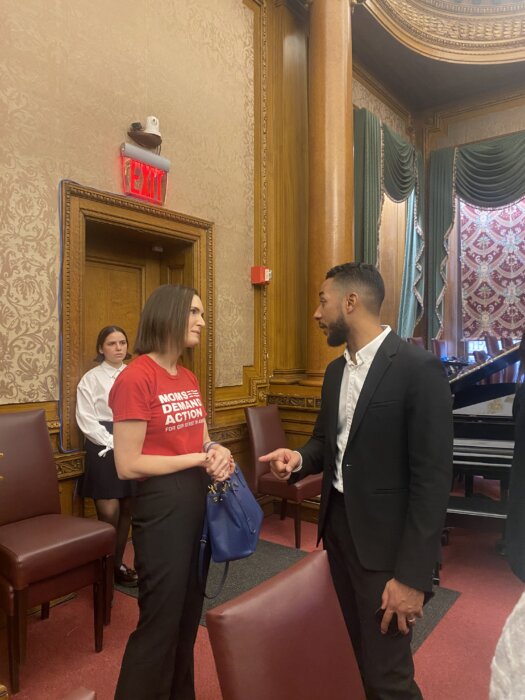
[
  {"x": 436, "y": 608},
  {"x": 269, "y": 559}
]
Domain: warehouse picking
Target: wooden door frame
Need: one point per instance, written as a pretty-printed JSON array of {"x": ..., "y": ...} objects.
[{"x": 81, "y": 205}]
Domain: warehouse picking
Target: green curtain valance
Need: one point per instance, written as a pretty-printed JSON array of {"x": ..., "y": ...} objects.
[
  {"x": 399, "y": 166},
  {"x": 492, "y": 174}
]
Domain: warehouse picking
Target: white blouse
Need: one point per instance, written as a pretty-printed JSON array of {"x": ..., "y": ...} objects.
[{"x": 92, "y": 403}]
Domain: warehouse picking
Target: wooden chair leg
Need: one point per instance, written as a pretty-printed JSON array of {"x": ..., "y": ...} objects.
[
  {"x": 108, "y": 566},
  {"x": 44, "y": 611},
  {"x": 99, "y": 605},
  {"x": 283, "y": 508},
  {"x": 13, "y": 654},
  {"x": 21, "y": 623},
  {"x": 297, "y": 525}
]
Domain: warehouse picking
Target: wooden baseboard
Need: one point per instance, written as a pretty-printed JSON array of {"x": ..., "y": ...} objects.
[{"x": 309, "y": 509}]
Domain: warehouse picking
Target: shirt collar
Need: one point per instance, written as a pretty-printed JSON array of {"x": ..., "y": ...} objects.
[
  {"x": 366, "y": 354},
  {"x": 112, "y": 372}
]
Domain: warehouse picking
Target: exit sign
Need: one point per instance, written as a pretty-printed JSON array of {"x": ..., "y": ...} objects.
[{"x": 143, "y": 180}]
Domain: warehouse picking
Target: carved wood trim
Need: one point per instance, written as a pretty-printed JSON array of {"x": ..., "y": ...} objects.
[
  {"x": 452, "y": 31},
  {"x": 306, "y": 403},
  {"x": 434, "y": 123},
  {"x": 83, "y": 204},
  {"x": 231, "y": 433},
  {"x": 69, "y": 466},
  {"x": 298, "y": 7},
  {"x": 50, "y": 409}
]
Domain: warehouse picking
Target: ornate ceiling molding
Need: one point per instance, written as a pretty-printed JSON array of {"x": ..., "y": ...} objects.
[{"x": 463, "y": 31}]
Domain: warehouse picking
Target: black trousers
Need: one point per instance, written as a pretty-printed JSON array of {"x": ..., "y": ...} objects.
[
  {"x": 168, "y": 516},
  {"x": 385, "y": 662}
]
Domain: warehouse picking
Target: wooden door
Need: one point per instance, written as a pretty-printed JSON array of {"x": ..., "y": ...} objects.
[
  {"x": 115, "y": 253},
  {"x": 122, "y": 268}
]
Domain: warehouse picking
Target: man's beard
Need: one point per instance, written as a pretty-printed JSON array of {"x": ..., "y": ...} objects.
[{"x": 337, "y": 333}]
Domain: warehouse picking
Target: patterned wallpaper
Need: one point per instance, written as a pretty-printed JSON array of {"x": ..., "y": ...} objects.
[
  {"x": 73, "y": 76},
  {"x": 363, "y": 98}
]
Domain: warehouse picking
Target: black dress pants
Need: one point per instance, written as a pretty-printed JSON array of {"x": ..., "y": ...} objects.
[
  {"x": 168, "y": 516},
  {"x": 385, "y": 662}
]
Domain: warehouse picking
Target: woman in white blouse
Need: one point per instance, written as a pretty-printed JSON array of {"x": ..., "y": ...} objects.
[{"x": 112, "y": 497}]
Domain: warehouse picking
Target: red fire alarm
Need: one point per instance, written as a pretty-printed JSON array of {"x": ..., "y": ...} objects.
[{"x": 261, "y": 275}]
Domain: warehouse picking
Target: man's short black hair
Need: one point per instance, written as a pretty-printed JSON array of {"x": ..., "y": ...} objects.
[{"x": 365, "y": 278}]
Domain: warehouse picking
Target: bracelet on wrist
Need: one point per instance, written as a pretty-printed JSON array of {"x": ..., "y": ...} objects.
[{"x": 208, "y": 445}]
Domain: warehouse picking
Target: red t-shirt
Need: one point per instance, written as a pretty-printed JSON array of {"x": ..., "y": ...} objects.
[{"x": 171, "y": 405}]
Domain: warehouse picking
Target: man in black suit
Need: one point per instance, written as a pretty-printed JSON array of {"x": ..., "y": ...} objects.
[{"x": 383, "y": 440}]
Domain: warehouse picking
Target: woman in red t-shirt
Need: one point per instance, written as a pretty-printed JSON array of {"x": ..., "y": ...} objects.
[{"x": 161, "y": 439}]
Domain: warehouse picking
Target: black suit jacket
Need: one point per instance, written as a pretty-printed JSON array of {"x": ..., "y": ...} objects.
[{"x": 397, "y": 466}]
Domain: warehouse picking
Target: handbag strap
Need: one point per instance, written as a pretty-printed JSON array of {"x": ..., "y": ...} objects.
[{"x": 202, "y": 577}]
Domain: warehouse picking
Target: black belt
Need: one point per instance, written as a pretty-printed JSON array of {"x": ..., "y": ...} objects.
[{"x": 108, "y": 425}]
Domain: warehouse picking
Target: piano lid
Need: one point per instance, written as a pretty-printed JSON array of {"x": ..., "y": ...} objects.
[{"x": 464, "y": 385}]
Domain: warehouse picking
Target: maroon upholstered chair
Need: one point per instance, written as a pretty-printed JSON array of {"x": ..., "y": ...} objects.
[
  {"x": 286, "y": 638},
  {"x": 493, "y": 349},
  {"x": 267, "y": 434},
  {"x": 507, "y": 343},
  {"x": 416, "y": 340},
  {"x": 511, "y": 372},
  {"x": 480, "y": 356},
  {"x": 439, "y": 347},
  {"x": 44, "y": 555},
  {"x": 492, "y": 343},
  {"x": 7, "y": 605}
]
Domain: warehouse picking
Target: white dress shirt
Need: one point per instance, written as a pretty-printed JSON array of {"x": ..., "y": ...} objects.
[
  {"x": 92, "y": 403},
  {"x": 354, "y": 375}
]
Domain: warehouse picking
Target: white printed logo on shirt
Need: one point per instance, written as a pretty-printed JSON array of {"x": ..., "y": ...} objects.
[{"x": 182, "y": 409}]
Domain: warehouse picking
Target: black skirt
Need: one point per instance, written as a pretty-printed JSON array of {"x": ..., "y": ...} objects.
[{"x": 100, "y": 479}]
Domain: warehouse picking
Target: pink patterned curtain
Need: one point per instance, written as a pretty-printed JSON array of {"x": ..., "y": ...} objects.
[{"x": 493, "y": 270}]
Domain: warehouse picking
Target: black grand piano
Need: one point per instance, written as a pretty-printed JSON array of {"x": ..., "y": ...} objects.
[{"x": 483, "y": 432}]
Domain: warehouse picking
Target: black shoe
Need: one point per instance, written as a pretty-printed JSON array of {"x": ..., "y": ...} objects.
[{"x": 126, "y": 577}]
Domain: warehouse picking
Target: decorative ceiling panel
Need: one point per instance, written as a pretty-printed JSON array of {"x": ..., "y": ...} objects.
[{"x": 462, "y": 31}]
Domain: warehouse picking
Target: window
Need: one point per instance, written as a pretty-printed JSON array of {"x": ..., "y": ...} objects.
[{"x": 492, "y": 272}]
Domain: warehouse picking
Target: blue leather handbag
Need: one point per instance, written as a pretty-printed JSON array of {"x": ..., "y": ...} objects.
[{"x": 232, "y": 524}]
